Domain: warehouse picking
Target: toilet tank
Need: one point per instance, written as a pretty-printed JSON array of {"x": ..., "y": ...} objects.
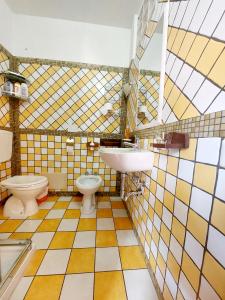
[{"x": 6, "y": 141}]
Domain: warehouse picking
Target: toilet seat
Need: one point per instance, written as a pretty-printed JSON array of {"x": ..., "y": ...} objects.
[{"x": 24, "y": 182}]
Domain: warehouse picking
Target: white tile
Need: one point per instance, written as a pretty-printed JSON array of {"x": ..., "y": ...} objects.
[
  {"x": 105, "y": 224},
  {"x": 54, "y": 262},
  {"x": 74, "y": 205},
  {"x": 180, "y": 211},
  {"x": 162, "y": 162},
  {"x": 21, "y": 288},
  {"x": 176, "y": 249},
  {"x": 185, "y": 287},
  {"x": 208, "y": 92},
  {"x": 4, "y": 235},
  {"x": 87, "y": 216},
  {"x": 167, "y": 217},
  {"x": 156, "y": 222},
  {"x": 68, "y": 225},
  {"x": 194, "y": 249},
  {"x": 216, "y": 244},
  {"x": 170, "y": 183},
  {"x": 207, "y": 147},
  {"x": 81, "y": 285},
  {"x": 199, "y": 15},
  {"x": 171, "y": 283},
  {"x": 120, "y": 213},
  {"x": 104, "y": 204},
  {"x": 159, "y": 278},
  {"x": 186, "y": 169},
  {"x": 84, "y": 239},
  {"x": 126, "y": 238},
  {"x": 218, "y": 104},
  {"x": 107, "y": 259},
  {"x": 154, "y": 249},
  {"x": 55, "y": 214},
  {"x": 220, "y": 30},
  {"x": 220, "y": 187},
  {"x": 159, "y": 192},
  {"x": 183, "y": 76},
  {"x": 201, "y": 202},
  {"x": 222, "y": 155},
  {"x": 42, "y": 239},
  {"x": 29, "y": 226},
  {"x": 47, "y": 205},
  {"x": 163, "y": 249},
  {"x": 193, "y": 84},
  {"x": 206, "y": 291},
  {"x": 139, "y": 285},
  {"x": 65, "y": 198}
]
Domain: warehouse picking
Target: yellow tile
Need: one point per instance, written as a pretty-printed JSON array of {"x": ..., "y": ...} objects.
[
  {"x": 181, "y": 105},
  {"x": 106, "y": 238},
  {"x": 62, "y": 240},
  {"x": 72, "y": 214},
  {"x": 190, "y": 112},
  {"x": 172, "y": 165},
  {"x": 209, "y": 56},
  {"x": 173, "y": 267},
  {"x": 60, "y": 205},
  {"x": 21, "y": 235},
  {"x": 183, "y": 191},
  {"x": 35, "y": 263},
  {"x": 197, "y": 226},
  {"x": 152, "y": 263},
  {"x": 169, "y": 200},
  {"x": 178, "y": 231},
  {"x": 41, "y": 214},
  {"x": 161, "y": 177},
  {"x": 218, "y": 215},
  {"x": 161, "y": 263},
  {"x": 191, "y": 271},
  {"x": 217, "y": 73},
  {"x": 178, "y": 41},
  {"x": 86, "y": 224},
  {"x": 189, "y": 153},
  {"x": 166, "y": 293},
  {"x": 205, "y": 177},
  {"x": 10, "y": 225},
  {"x": 122, "y": 223},
  {"x": 165, "y": 233},
  {"x": 215, "y": 274},
  {"x": 81, "y": 261},
  {"x": 186, "y": 45},
  {"x": 53, "y": 198},
  {"x": 45, "y": 287},
  {"x": 158, "y": 207},
  {"x": 49, "y": 225},
  {"x": 196, "y": 50},
  {"x": 109, "y": 286},
  {"x": 104, "y": 213},
  {"x": 117, "y": 204},
  {"x": 132, "y": 258}
]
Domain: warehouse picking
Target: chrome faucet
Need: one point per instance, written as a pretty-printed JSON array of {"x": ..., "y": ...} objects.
[{"x": 133, "y": 145}]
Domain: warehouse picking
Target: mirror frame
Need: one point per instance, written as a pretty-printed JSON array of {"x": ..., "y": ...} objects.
[{"x": 159, "y": 119}]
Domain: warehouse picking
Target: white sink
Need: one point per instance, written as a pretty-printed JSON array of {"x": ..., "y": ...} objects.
[{"x": 127, "y": 159}]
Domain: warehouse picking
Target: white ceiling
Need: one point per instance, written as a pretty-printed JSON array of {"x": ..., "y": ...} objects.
[{"x": 117, "y": 13}]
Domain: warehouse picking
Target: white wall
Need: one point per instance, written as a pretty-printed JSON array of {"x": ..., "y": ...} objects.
[
  {"x": 71, "y": 41},
  {"x": 6, "y": 26}
]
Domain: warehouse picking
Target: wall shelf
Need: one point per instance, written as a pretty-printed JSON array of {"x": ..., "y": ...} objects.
[
  {"x": 14, "y": 77},
  {"x": 13, "y": 95},
  {"x": 173, "y": 140}
]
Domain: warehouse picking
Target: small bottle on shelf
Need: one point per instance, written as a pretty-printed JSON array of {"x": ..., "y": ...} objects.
[
  {"x": 24, "y": 90},
  {"x": 17, "y": 89},
  {"x": 8, "y": 87}
]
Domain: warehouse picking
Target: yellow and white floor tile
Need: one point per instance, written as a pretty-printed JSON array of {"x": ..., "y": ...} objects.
[{"x": 78, "y": 256}]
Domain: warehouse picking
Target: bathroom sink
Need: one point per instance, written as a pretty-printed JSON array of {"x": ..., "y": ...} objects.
[{"x": 127, "y": 159}]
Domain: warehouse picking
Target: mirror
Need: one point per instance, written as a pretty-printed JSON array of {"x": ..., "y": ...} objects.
[{"x": 151, "y": 77}]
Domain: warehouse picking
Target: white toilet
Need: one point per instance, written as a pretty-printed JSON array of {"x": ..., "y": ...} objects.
[
  {"x": 24, "y": 190},
  {"x": 88, "y": 186}
]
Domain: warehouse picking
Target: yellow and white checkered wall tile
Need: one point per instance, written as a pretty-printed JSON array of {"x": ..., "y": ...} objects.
[
  {"x": 61, "y": 96},
  {"x": 5, "y": 172},
  {"x": 180, "y": 219},
  {"x": 48, "y": 154},
  {"x": 195, "y": 60},
  {"x": 4, "y": 103}
]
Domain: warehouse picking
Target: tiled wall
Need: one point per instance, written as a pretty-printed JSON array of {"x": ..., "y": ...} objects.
[
  {"x": 195, "y": 60},
  {"x": 180, "y": 219},
  {"x": 61, "y": 94},
  {"x": 5, "y": 168},
  {"x": 48, "y": 154},
  {"x": 148, "y": 96}
]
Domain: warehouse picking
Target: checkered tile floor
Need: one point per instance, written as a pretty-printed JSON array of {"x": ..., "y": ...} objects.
[{"x": 78, "y": 256}]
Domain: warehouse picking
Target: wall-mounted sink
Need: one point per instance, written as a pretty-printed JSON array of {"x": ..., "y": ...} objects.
[{"x": 127, "y": 159}]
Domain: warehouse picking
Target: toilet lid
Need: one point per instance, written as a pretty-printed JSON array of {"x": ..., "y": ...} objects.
[{"x": 24, "y": 181}]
